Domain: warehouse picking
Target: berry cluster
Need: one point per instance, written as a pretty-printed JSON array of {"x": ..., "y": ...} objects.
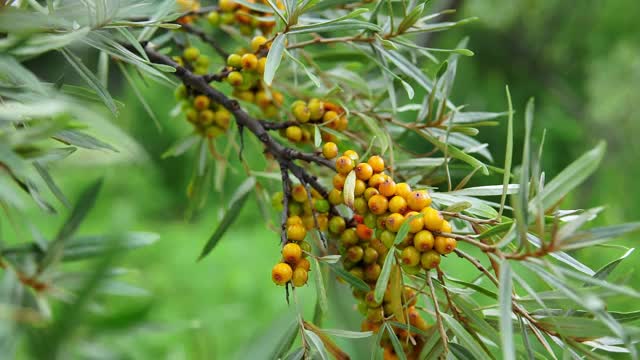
[
  {"x": 207, "y": 117},
  {"x": 248, "y": 20},
  {"x": 192, "y": 59},
  {"x": 185, "y": 6},
  {"x": 294, "y": 266},
  {"x": 315, "y": 111},
  {"x": 382, "y": 204}
]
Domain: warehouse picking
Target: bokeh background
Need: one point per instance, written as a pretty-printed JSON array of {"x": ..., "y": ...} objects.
[{"x": 579, "y": 60}]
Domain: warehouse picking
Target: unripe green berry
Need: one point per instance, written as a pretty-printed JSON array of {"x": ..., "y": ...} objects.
[
  {"x": 337, "y": 225},
  {"x": 213, "y": 18},
  {"x": 234, "y": 60},
  {"x": 349, "y": 238},
  {"x": 410, "y": 256},
  {"x": 354, "y": 254},
  {"x": 191, "y": 53},
  {"x": 235, "y": 78},
  {"x": 322, "y": 205}
]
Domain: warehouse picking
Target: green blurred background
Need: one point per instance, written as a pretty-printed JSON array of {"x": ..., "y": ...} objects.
[{"x": 579, "y": 61}]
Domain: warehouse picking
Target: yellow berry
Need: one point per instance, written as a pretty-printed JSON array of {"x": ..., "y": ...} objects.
[
  {"x": 206, "y": 117},
  {"x": 223, "y": 117},
  {"x": 344, "y": 165},
  {"x": 394, "y": 221},
  {"x": 354, "y": 254},
  {"x": 296, "y": 232},
  {"x": 418, "y": 200},
  {"x": 249, "y": 62},
  {"x": 446, "y": 227},
  {"x": 295, "y": 219},
  {"x": 281, "y": 273},
  {"x": 213, "y": 18},
  {"x": 360, "y": 187},
  {"x": 432, "y": 219},
  {"x": 316, "y": 109},
  {"x": 398, "y": 204},
  {"x": 294, "y": 133},
  {"x": 377, "y": 163},
  {"x": 337, "y": 224},
  {"x": 378, "y": 204},
  {"x": 369, "y": 192},
  {"x": 372, "y": 272},
  {"x": 262, "y": 62},
  {"x": 301, "y": 112},
  {"x": 423, "y": 240},
  {"x": 387, "y": 187},
  {"x": 349, "y": 238},
  {"x": 363, "y": 171},
  {"x": 410, "y": 256},
  {"x": 300, "y": 277},
  {"x": 329, "y": 117},
  {"x": 335, "y": 197},
  {"x": 227, "y": 5},
  {"x": 191, "y": 53},
  {"x": 291, "y": 253},
  {"x": 201, "y": 102},
  {"x": 338, "y": 181},
  {"x": 234, "y": 60},
  {"x": 376, "y": 179},
  {"x": 445, "y": 245},
  {"x": 430, "y": 259},
  {"x": 257, "y": 42},
  {"x": 235, "y": 78},
  {"x": 416, "y": 224},
  {"x": 299, "y": 193},
  {"x": 330, "y": 150},
  {"x": 303, "y": 263},
  {"x": 352, "y": 154}
]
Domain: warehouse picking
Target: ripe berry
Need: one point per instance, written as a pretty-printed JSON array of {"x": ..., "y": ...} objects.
[
  {"x": 359, "y": 188},
  {"x": 292, "y": 253},
  {"x": 377, "y": 163},
  {"x": 227, "y": 18},
  {"x": 372, "y": 272},
  {"x": 369, "y": 192},
  {"x": 398, "y": 204},
  {"x": 375, "y": 315},
  {"x": 370, "y": 300},
  {"x": 445, "y": 227},
  {"x": 344, "y": 165},
  {"x": 296, "y": 232},
  {"x": 423, "y": 240},
  {"x": 403, "y": 189},
  {"x": 213, "y": 18},
  {"x": 387, "y": 187},
  {"x": 235, "y": 78},
  {"x": 410, "y": 256},
  {"x": 277, "y": 97},
  {"x": 335, "y": 197},
  {"x": 337, "y": 225},
  {"x": 376, "y": 179},
  {"x": 354, "y": 254},
  {"x": 352, "y": 155},
  {"x": 191, "y": 53},
  {"x": 227, "y": 5},
  {"x": 303, "y": 264},
  {"x": 430, "y": 259},
  {"x": 249, "y": 62},
  {"x": 445, "y": 245},
  {"x": 234, "y": 60},
  {"x": 281, "y": 273},
  {"x": 299, "y": 193},
  {"x": 338, "y": 181},
  {"x": 206, "y": 117},
  {"x": 432, "y": 219},
  {"x": 329, "y": 150},
  {"x": 418, "y": 200},
  {"x": 316, "y": 108},
  {"x": 300, "y": 277},
  {"x": 364, "y": 232},
  {"x": 292, "y": 220},
  {"x": 262, "y": 63},
  {"x": 416, "y": 224},
  {"x": 201, "y": 102},
  {"x": 223, "y": 117},
  {"x": 342, "y": 124},
  {"x": 364, "y": 171},
  {"x": 257, "y": 42},
  {"x": 294, "y": 133},
  {"x": 301, "y": 111},
  {"x": 378, "y": 204},
  {"x": 329, "y": 117},
  {"x": 394, "y": 221},
  {"x": 192, "y": 115}
]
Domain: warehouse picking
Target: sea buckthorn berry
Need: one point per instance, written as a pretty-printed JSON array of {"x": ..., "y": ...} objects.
[
  {"x": 301, "y": 111},
  {"x": 292, "y": 220},
  {"x": 206, "y": 117},
  {"x": 201, "y": 102},
  {"x": 423, "y": 240},
  {"x": 432, "y": 219},
  {"x": 417, "y": 223},
  {"x": 338, "y": 181},
  {"x": 296, "y": 232},
  {"x": 295, "y": 208},
  {"x": 245, "y": 95},
  {"x": 191, "y": 53},
  {"x": 281, "y": 273},
  {"x": 316, "y": 108},
  {"x": 227, "y": 5},
  {"x": 330, "y": 150},
  {"x": 299, "y": 193},
  {"x": 276, "y": 200},
  {"x": 394, "y": 221},
  {"x": 342, "y": 123},
  {"x": 354, "y": 254},
  {"x": 257, "y": 42},
  {"x": 323, "y": 221},
  {"x": 352, "y": 155},
  {"x": 249, "y": 62},
  {"x": 344, "y": 165},
  {"x": 387, "y": 188},
  {"x": 306, "y": 249},
  {"x": 360, "y": 206},
  {"x": 378, "y": 204},
  {"x": 335, "y": 197},
  {"x": 303, "y": 264},
  {"x": 445, "y": 245},
  {"x": 410, "y": 256},
  {"x": 203, "y": 61},
  {"x": 370, "y": 300},
  {"x": 329, "y": 117},
  {"x": 308, "y": 222},
  {"x": 321, "y": 205},
  {"x": 277, "y": 97},
  {"x": 291, "y": 253},
  {"x": 213, "y": 131},
  {"x": 381, "y": 222},
  {"x": 370, "y": 220},
  {"x": 430, "y": 259},
  {"x": 299, "y": 277},
  {"x": 357, "y": 272},
  {"x": 192, "y": 115},
  {"x": 369, "y": 192},
  {"x": 410, "y": 296},
  {"x": 262, "y": 63},
  {"x": 349, "y": 237},
  {"x": 403, "y": 189},
  {"x": 398, "y": 204},
  {"x": 235, "y": 78},
  {"x": 376, "y": 179},
  {"x": 364, "y": 232},
  {"x": 181, "y": 92},
  {"x": 294, "y": 133},
  {"x": 234, "y": 60},
  {"x": 223, "y": 118},
  {"x": 377, "y": 163},
  {"x": 387, "y": 238},
  {"x": 359, "y": 188},
  {"x": 370, "y": 255},
  {"x": 363, "y": 171},
  {"x": 372, "y": 272},
  {"x": 213, "y": 18},
  {"x": 446, "y": 227},
  {"x": 418, "y": 200},
  {"x": 337, "y": 225},
  {"x": 375, "y": 315},
  {"x": 227, "y": 18},
  {"x": 411, "y": 270}
]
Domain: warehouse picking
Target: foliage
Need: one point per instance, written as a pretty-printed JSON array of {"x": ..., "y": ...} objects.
[{"x": 531, "y": 298}]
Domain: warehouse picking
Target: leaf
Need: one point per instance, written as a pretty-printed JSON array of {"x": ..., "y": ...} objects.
[
  {"x": 83, "y": 140},
  {"x": 357, "y": 283},
  {"x": 395, "y": 342},
  {"x": 377, "y": 130},
  {"x": 506, "y": 326},
  {"x": 81, "y": 209},
  {"x": 479, "y": 207},
  {"x": 230, "y": 216},
  {"x": 383, "y": 279},
  {"x": 472, "y": 117},
  {"x": 572, "y": 176},
  {"x": 83, "y": 247},
  {"x": 91, "y": 80},
  {"x": 257, "y": 7},
  {"x": 348, "y": 334},
  {"x": 277, "y": 11},
  {"x": 316, "y": 343},
  {"x": 460, "y": 352},
  {"x": 53, "y": 187},
  {"x": 508, "y": 154},
  {"x": 454, "y": 152},
  {"x": 349, "y": 189},
  {"x": 44, "y": 42},
  {"x": 323, "y": 303},
  {"x": 597, "y": 236},
  {"x": 329, "y": 259},
  {"x": 274, "y": 57},
  {"x": 419, "y": 162},
  {"x": 464, "y": 337},
  {"x": 490, "y": 190},
  {"x": 604, "y": 271},
  {"x": 181, "y": 146},
  {"x": 139, "y": 95},
  {"x": 410, "y": 18},
  {"x": 334, "y": 26}
]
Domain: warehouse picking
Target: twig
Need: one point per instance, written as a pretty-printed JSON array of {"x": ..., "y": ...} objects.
[
  {"x": 206, "y": 38},
  {"x": 286, "y": 190},
  {"x": 443, "y": 332}
]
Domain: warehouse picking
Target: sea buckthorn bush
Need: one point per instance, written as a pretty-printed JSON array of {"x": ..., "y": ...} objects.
[{"x": 343, "y": 125}]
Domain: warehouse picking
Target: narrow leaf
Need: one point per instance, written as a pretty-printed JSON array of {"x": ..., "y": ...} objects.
[{"x": 274, "y": 58}]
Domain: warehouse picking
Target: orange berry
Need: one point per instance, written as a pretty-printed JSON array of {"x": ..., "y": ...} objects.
[
  {"x": 418, "y": 200},
  {"x": 393, "y": 222},
  {"x": 352, "y": 154},
  {"x": 377, "y": 163},
  {"x": 403, "y": 189},
  {"x": 201, "y": 102},
  {"x": 296, "y": 232},
  {"x": 445, "y": 245},
  {"x": 281, "y": 273},
  {"x": 364, "y": 232},
  {"x": 330, "y": 150},
  {"x": 372, "y": 272},
  {"x": 292, "y": 253},
  {"x": 364, "y": 171},
  {"x": 344, "y": 165},
  {"x": 376, "y": 179},
  {"x": 378, "y": 204},
  {"x": 423, "y": 240},
  {"x": 432, "y": 219},
  {"x": 304, "y": 264},
  {"x": 387, "y": 187},
  {"x": 300, "y": 277},
  {"x": 338, "y": 181},
  {"x": 398, "y": 204}
]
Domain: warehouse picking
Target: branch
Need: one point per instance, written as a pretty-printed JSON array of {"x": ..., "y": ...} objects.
[{"x": 206, "y": 38}]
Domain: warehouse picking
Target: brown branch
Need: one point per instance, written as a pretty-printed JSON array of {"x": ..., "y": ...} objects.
[
  {"x": 436, "y": 307},
  {"x": 206, "y": 38}
]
